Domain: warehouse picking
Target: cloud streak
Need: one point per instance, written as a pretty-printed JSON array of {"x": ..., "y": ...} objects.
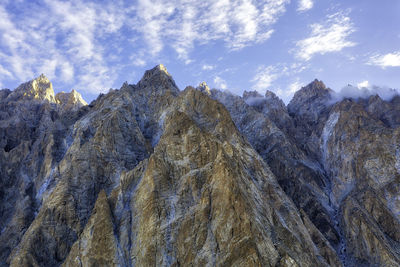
[
  {"x": 364, "y": 90},
  {"x": 265, "y": 76},
  {"x": 182, "y": 24},
  {"x": 387, "y": 60},
  {"x": 61, "y": 39},
  {"x": 327, "y": 37},
  {"x": 220, "y": 83},
  {"x": 305, "y": 5},
  {"x": 84, "y": 43}
]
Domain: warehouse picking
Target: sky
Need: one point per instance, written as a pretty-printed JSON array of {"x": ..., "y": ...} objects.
[{"x": 235, "y": 45}]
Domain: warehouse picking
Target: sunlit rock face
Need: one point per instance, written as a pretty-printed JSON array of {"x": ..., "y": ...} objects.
[
  {"x": 149, "y": 175},
  {"x": 36, "y": 89},
  {"x": 70, "y": 101}
]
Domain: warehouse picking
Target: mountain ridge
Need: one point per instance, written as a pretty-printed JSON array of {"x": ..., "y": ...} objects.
[{"x": 151, "y": 175}]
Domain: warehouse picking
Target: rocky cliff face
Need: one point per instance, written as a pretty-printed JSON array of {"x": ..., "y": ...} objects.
[{"x": 149, "y": 175}]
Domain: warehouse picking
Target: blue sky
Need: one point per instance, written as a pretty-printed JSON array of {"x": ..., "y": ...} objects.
[{"x": 277, "y": 45}]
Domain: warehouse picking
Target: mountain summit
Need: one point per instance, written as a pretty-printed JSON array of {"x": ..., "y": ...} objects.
[
  {"x": 38, "y": 89},
  {"x": 149, "y": 175}
]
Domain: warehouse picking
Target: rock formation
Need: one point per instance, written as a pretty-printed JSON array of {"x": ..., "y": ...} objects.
[{"x": 149, "y": 175}]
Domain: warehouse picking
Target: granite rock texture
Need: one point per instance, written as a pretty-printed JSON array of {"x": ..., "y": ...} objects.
[{"x": 148, "y": 175}]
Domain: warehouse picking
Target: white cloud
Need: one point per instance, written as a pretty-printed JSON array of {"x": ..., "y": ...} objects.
[
  {"x": 207, "y": 67},
  {"x": 59, "y": 39},
  {"x": 80, "y": 42},
  {"x": 264, "y": 78},
  {"x": 326, "y": 37},
  {"x": 388, "y": 60},
  {"x": 220, "y": 83},
  {"x": 4, "y": 72},
  {"x": 293, "y": 87},
  {"x": 274, "y": 76},
  {"x": 305, "y": 5},
  {"x": 67, "y": 72},
  {"x": 139, "y": 62},
  {"x": 363, "y": 84},
  {"x": 364, "y": 92},
  {"x": 182, "y": 24},
  {"x": 287, "y": 94}
]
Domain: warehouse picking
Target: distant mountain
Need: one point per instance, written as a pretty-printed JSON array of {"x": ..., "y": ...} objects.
[{"x": 149, "y": 175}]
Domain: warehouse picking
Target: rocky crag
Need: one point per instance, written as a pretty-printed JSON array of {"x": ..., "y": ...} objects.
[{"x": 149, "y": 175}]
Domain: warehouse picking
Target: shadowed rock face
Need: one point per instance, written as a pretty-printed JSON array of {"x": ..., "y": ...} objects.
[
  {"x": 302, "y": 178},
  {"x": 148, "y": 175},
  {"x": 358, "y": 150}
]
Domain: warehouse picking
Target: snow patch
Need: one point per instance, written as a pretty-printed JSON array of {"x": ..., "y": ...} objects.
[
  {"x": 327, "y": 132},
  {"x": 43, "y": 188},
  {"x": 162, "y": 119},
  {"x": 45, "y": 184},
  {"x": 171, "y": 217},
  {"x": 158, "y": 134}
]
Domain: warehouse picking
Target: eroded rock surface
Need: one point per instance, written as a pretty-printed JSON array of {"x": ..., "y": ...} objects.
[
  {"x": 149, "y": 175},
  {"x": 359, "y": 152}
]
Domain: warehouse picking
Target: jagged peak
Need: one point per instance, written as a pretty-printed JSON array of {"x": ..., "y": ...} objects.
[
  {"x": 39, "y": 88},
  {"x": 270, "y": 94},
  {"x": 42, "y": 78},
  {"x": 251, "y": 94},
  {"x": 317, "y": 84},
  {"x": 160, "y": 69},
  {"x": 203, "y": 87},
  {"x": 273, "y": 100},
  {"x": 314, "y": 89},
  {"x": 315, "y": 93},
  {"x": 70, "y": 101},
  {"x": 158, "y": 79}
]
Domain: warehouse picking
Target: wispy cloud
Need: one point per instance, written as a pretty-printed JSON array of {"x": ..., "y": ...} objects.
[
  {"x": 287, "y": 93},
  {"x": 182, "y": 24},
  {"x": 264, "y": 78},
  {"x": 279, "y": 78},
  {"x": 387, "y": 60},
  {"x": 326, "y": 37},
  {"x": 362, "y": 91},
  {"x": 84, "y": 43},
  {"x": 220, "y": 83},
  {"x": 207, "y": 67},
  {"x": 61, "y": 39},
  {"x": 363, "y": 84},
  {"x": 305, "y": 5}
]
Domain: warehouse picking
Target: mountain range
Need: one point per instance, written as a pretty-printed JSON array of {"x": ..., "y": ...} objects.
[{"x": 149, "y": 175}]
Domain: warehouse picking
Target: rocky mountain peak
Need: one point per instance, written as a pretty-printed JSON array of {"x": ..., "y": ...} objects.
[
  {"x": 151, "y": 176},
  {"x": 162, "y": 68},
  {"x": 315, "y": 93},
  {"x": 158, "y": 80},
  {"x": 315, "y": 88},
  {"x": 203, "y": 87},
  {"x": 158, "y": 70},
  {"x": 271, "y": 95},
  {"x": 70, "y": 101},
  {"x": 317, "y": 84},
  {"x": 274, "y": 101},
  {"x": 250, "y": 94},
  {"x": 39, "y": 89},
  {"x": 265, "y": 103}
]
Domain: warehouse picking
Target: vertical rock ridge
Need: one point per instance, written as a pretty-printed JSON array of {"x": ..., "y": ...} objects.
[
  {"x": 97, "y": 245},
  {"x": 149, "y": 175}
]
